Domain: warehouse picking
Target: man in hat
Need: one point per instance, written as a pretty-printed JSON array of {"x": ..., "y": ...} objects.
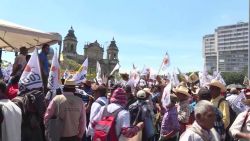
[
  {"x": 20, "y": 63},
  {"x": 141, "y": 111},
  {"x": 100, "y": 93},
  {"x": 71, "y": 112},
  {"x": 216, "y": 88},
  {"x": 202, "y": 129},
  {"x": 170, "y": 125},
  {"x": 183, "y": 106}
]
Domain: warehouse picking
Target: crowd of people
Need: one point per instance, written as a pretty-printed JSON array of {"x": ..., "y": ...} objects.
[{"x": 112, "y": 111}]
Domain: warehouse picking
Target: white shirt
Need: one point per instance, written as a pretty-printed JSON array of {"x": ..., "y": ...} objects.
[
  {"x": 11, "y": 125},
  {"x": 190, "y": 135},
  {"x": 95, "y": 108},
  {"x": 236, "y": 126},
  {"x": 122, "y": 120},
  {"x": 235, "y": 103}
]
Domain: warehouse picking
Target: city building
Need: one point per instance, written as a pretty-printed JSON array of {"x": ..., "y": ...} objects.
[
  {"x": 93, "y": 51},
  {"x": 227, "y": 49}
]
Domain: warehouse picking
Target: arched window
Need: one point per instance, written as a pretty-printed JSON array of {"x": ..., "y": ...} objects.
[{"x": 114, "y": 56}]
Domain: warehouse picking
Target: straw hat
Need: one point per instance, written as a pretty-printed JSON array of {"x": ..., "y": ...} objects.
[
  {"x": 69, "y": 83},
  {"x": 182, "y": 90},
  {"x": 192, "y": 78},
  {"x": 147, "y": 90},
  {"x": 141, "y": 94},
  {"x": 217, "y": 83}
]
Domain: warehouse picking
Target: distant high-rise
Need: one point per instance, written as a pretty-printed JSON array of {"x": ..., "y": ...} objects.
[{"x": 227, "y": 49}]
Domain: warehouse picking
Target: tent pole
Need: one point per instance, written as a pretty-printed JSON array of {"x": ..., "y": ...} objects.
[{"x": 60, "y": 48}]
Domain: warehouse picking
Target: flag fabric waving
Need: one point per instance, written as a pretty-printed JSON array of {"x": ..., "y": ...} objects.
[
  {"x": 66, "y": 74},
  {"x": 31, "y": 76},
  {"x": 54, "y": 74},
  {"x": 98, "y": 73},
  {"x": 165, "y": 62},
  {"x": 117, "y": 67},
  {"x": 81, "y": 73}
]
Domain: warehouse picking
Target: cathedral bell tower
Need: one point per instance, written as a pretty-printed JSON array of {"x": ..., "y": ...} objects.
[
  {"x": 112, "y": 54},
  {"x": 70, "y": 42}
]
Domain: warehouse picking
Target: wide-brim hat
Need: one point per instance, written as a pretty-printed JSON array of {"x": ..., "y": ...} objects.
[
  {"x": 217, "y": 83},
  {"x": 182, "y": 90},
  {"x": 69, "y": 83},
  {"x": 147, "y": 90}
]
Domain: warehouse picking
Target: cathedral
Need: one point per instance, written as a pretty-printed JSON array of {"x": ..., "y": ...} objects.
[{"x": 93, "y": 51}]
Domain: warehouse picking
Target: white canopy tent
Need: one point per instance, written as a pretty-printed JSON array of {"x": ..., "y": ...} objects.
[{"x": 13, "y": 36}]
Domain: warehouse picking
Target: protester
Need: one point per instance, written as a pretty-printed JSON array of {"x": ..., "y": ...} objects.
[
  {"x": 122, "y": 121},
  {"x": 234, "y": 101},
  {"x": 141, "y": 111},
  {"x": 10, "y": 117},
  {"x": 130, "y": 96},
  {"x": 216, "y": 88},
  {"x": 204, "y": 94},
  {"x": 202, "y": 128},
  {"x": 71, "y": 112},
  {"x": 44, "y": 64},
  {"x": 183, "y": 107},
  {"x": 170, "y": 125},
  {"x": 20, "y": 63},
  {"x": 240, "y": 128},
  {"x": 100, "y": 93}
]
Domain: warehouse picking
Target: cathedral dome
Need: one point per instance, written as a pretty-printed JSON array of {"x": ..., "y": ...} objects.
[{"x": 71, "y": 35}]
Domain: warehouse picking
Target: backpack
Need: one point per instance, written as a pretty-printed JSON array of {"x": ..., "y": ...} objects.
[
  {"x": 31, "y": 104},
  {"x": 233, "y": 114},
  {"x": 100, "y": 102},
  {"x": 105, "y": 128}
]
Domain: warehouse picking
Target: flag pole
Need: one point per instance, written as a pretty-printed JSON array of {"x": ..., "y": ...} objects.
[{"x": 161, "y": 64}]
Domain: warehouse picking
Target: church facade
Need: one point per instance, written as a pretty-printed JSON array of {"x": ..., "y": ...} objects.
[{"x": 93, "y": 51}]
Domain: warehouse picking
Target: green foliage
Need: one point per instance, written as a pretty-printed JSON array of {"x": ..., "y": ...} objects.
[
  {"x": 69, "y": 64},
  {"x": 233, "y": 77}
]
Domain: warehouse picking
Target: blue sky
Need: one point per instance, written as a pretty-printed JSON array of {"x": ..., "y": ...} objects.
[{"x": 144, "y": 29}]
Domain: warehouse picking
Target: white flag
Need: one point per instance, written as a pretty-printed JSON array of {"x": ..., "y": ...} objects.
[
  {"x": 117, "y": 67},
  {"x": 166, "y": 95},
  {"x": 81, "y": 73},
  {"x": 31, "y": 76},
  {"x": 98, "y": 73},
  {"x": 54, "y": 74},
  {"x": 165, "y": 62}
]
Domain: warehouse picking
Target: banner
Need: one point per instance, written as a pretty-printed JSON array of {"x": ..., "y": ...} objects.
[
  {"x": 81, "y": 74},
  {"x": 54, "y": 74},
  {"x": 31, "y": 76}
]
